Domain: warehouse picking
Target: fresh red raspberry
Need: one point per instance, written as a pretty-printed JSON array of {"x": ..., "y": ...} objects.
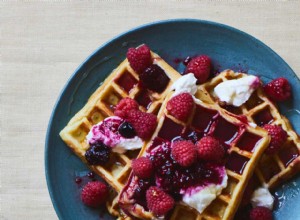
[
  {"x": 180, "y": 106},
  {"x": 94, "y": 194},
  {"x": 159, "y": 202},
  {"x": 279, "y": 89},
  {"x": 139, "y": 58},
  {"x": 143, "y": 123},
  {"x": 278, "y": 137},
  {"x": 124, "y": 106},
  {"x": 209, "y": 149},
  {"x": 201, "y": 67},
  {"x": 184, "y": 153},
  {"x": 142, "y": 167},
  {"x": 261, "y": 213}
]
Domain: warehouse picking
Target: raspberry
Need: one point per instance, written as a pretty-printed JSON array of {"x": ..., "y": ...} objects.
[
  {"x": 200, "y": 66},
  {"x": 209, "y": 149},
  {"x": 278, "y": 137},
  {"x": 184, "y": 153},
  {"x": 142, "y": 167},
  {"x": 98, "y": 154},
  {"x": 279, "y": 89},
  {"x": 139, "y": 58},
  {"x": 143, "y": 123},
  {"x": 94, "y": 194},
  {"x": 124, "y": 106},
  {"x": 154, "y": 78},
  {"x": 180, "y": 106},
  {"x": 159, "y": 202},
  {"x": 261, "y": 213}
]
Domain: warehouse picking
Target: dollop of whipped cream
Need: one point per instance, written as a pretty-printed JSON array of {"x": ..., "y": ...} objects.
[
  {"x": 200, "y": 197},
  {"x": 262, "y": 197},
  {"x": 186, "y": 83},
  {"x": 237, "y": 91},
  {"x": 107, "y": 132}
]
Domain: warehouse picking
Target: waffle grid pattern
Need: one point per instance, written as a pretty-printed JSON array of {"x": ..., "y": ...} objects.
[
  {"x": 101, "y": 105},
  {"x": 271, "y": 170},
  {"x": 225, "y": 205}
]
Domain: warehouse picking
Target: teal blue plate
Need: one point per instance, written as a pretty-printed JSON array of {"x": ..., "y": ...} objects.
[{"x": 171, "y": 39}]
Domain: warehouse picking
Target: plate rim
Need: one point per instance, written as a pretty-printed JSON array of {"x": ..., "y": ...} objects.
[{"x": 111, "y": 41}]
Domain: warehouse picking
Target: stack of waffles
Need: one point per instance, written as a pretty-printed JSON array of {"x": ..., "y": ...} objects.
[
  {"x": 259, "y": 110},
  {"x": 209, "y": 117}
]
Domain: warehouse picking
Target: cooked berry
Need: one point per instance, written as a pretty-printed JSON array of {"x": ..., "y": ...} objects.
[
  {"x": 98, "y": 154},
  {"x": 279, "y": 89},
  {"x": 139, "y": 58},
  {"x": 142, "y": 167},
  {"x": 91, "y": 175},
  {"x": 154, "y": 78},
  {"x": 126, "y": 130},
  {"x": 94, "y": 194},
  {"x": 187, "y": 60},
  {"x": 172, "y": 177},
  {"x": 142, "y": 186},
  {"x": 184, "y": 153},
  {"x": 210, "y": 149},
  {"x": 159, "y": 202},
  {"x": 181, "y": 106},
  {"x": 78, "y": 180},
  {"x": 278, "y": 137},
  {"x": 261, "y": 213},
  {"x": 143, "y": 123},
  {"x": 201, "y": 67}
]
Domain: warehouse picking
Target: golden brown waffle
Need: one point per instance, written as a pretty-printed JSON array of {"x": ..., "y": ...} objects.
[
  {"x": 271, "y": 170},
  {"x": 211, "y": 120},
  {"x": 101, "y": 105}
]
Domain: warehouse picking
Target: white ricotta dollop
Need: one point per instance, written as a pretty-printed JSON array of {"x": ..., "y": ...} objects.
[
  {"x": 237, "y": 91},
  {"x": 186, "y": 83},
  {"x": 201, "y": 197},
  {"x": 107, "y": 132},
  {"x": 262, "y": 197}
]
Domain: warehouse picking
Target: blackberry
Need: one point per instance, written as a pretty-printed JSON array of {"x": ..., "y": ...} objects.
[
  {"x": 154, "y": 78},
  {"x": 98, "y": 154},
  {"x": 126, "y": 130}
]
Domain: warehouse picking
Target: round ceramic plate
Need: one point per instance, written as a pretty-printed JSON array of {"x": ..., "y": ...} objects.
[{"x": 172, "y": 40}]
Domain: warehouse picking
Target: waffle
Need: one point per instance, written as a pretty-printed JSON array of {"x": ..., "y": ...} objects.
[
  {"x": 272, "y": 170},
  {"x": 122, "y": 82},
  {"x": 212, "y": 120}
]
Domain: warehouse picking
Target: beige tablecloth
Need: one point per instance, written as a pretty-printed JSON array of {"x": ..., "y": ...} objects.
[{"x": 42, "y": 43}]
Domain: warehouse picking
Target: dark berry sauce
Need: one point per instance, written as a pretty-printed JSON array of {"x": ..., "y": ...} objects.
[
  {"x": 236, "y": 163},
  {"x": 173, "y": 178},
  {"x": 170, "y": 130},
  {"x": 288, "y": 154},
  {"x": 143, "y": 98},
  {"x": 248, "y": 141},
  {"x": 263, "y": 117},
  {"x": 126, "y": 82}
]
